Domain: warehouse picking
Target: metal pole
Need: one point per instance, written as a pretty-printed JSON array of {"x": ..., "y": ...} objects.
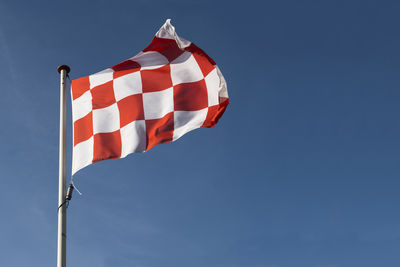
[{"x": 62, "y": 172}]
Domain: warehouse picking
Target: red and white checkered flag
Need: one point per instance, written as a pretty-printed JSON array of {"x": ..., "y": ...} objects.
[{"x": 167, "y": 90}]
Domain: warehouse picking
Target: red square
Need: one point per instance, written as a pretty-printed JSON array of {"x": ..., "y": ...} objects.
[
  {"x": 83, "y": 129},
  {"x": 159, "y": 131},
  {"x": 194, "y": 49},
  {"x": 126, "y": 67},
  {"x": 204, "y": 64},
  {"x": 156, "y": 80},
  {"x": 190, "y": 96},
  {"x": 167, "y": 47},
  {"x": 130, "y": 109},
  {"x": 79, "y": 87},
  {"x": 215, "y": 113},
  {"x": 103, "y": 95},
  {"x": 107, "y": 146}
]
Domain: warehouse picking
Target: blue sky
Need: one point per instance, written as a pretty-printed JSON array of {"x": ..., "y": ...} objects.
[{"x": 302, "y": 169}]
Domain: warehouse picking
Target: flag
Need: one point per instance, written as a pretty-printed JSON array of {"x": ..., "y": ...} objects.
[{"x": 155, "y": 97}]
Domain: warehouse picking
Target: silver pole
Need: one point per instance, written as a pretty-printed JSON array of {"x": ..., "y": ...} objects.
[{"x": 62, "y": 171}]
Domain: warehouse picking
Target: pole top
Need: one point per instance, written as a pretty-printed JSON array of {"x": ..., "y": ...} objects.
[{"x": 63, "y": 67}]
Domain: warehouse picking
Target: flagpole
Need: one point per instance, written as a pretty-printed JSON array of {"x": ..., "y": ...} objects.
[{"x": 62, "y": 171}]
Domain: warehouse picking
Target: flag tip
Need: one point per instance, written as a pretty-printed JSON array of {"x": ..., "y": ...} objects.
[{"x": 63, "y": 67}]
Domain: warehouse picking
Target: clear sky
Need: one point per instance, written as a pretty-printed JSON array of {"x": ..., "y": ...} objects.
[{"x": 302, "y": 169}]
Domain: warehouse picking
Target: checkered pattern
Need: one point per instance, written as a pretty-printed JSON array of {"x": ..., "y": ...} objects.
[{"x": 167, "y": 90}]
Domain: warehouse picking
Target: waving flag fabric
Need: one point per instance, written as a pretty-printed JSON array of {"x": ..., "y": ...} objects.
[{"x": 167, "y": 90}]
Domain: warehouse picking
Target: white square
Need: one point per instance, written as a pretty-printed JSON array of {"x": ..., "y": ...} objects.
[
  {"x": 185, "y": 69},
  {"x": 223, "y": 88},
  {"x": 157, "y": 104},
  {"x": 150, "y": 60},
  {"x": 81, "y": 106},
  {"x": 213, "y": 87},
  {"x": 185, "y": 121},
  {"x": 127, "y": 85},
  {"x": 100, "y": 78},
  {"x": 82, "y": 155},
  {"x": 106, "y": 120},
  {"x": 133, "y": 138}
]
